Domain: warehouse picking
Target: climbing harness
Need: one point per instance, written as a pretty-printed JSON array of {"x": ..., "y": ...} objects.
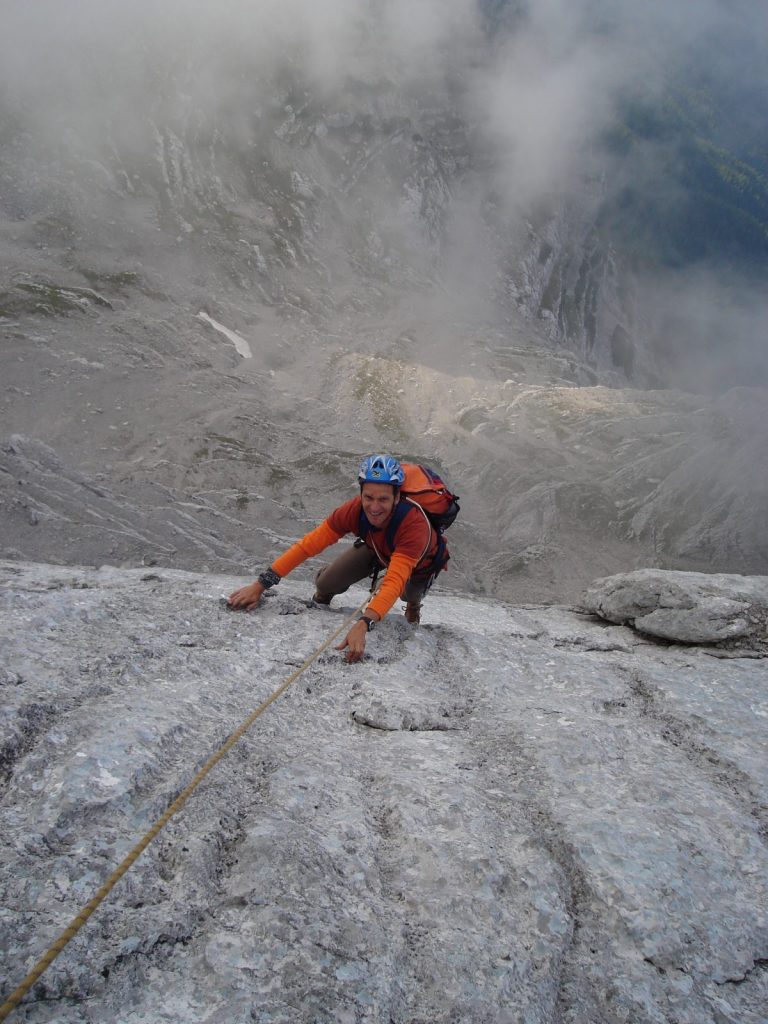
[{"x": 77, "y": 922}]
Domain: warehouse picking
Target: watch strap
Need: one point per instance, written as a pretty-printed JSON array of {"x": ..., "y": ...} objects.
[{"x": 269, "y": 578}]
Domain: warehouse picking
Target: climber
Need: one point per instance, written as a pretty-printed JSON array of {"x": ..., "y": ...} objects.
[{"x": 393, "y": 533}]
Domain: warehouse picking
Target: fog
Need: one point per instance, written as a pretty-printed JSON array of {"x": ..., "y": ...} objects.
[
  {"x": 560, "y": 63},
  {"x": 88, "y": 87},
  {"x": 719, "y": 324}
]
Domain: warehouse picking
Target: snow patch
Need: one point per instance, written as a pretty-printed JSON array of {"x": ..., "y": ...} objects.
[{"x": 239, "y": 342}]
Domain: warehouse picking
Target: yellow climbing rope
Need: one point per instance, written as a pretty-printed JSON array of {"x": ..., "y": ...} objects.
[{"x": 77, "y": 922}]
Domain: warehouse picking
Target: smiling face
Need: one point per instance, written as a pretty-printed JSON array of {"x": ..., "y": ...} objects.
[{"x": 378, "y": 502}]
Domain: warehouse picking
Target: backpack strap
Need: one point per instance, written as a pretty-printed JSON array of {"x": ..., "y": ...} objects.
[
  {"x": 415, "y": 504},
  {"x": 402, "y": 508}
]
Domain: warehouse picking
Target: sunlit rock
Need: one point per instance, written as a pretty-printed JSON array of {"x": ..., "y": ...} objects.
[{"x": 505, "y": 815}]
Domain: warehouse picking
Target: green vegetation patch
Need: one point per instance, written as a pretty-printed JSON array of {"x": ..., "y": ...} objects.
[
  {"x": 44, "y": 298},
  {"x": 694, "y": 188},
  {"x": 117, "y": 280},
  {"x": 376, "y": 385}
]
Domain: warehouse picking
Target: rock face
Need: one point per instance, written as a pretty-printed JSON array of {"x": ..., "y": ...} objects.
[
  {"x": 690, "y": 607},
  {"x": 505, "y": 815}
]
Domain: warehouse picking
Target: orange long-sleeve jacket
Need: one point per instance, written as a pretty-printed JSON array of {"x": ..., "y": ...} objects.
[{"x": 415, "y": 544}]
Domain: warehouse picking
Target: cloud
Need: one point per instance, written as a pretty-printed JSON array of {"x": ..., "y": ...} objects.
[
  {"x": 709, "y": 329},
  {"x": 539, "y": 114},
  {"x": 534, "y": 94},
  {"x": 550, "y": 88},
  {"x": 539, "y": 93}
]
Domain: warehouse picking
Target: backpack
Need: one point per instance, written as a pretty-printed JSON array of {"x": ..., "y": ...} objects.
[
  {"x": 422, "y": 487},
  {"x": 426, "y": 488}
]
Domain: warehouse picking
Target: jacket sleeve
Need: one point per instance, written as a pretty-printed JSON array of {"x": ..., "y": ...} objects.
[
  {"x": 397, "y": 575},
  {"x": 311, "y": 544}
]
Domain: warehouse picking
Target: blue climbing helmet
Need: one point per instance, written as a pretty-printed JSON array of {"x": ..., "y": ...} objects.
[{"x": 381, "y": 469}]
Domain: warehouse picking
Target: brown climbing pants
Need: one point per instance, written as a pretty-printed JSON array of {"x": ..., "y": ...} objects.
[{"x": 355, "y": 564}]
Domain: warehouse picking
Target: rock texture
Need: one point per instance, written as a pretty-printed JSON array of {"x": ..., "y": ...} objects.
[
  {"x": 505, "y": 815},
  {"x": 688, "y": 607}
]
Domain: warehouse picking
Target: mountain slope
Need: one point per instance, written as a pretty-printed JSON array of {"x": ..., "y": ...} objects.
[{"x": 417, "y": 236}]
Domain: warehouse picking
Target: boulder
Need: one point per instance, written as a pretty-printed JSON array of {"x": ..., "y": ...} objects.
[{"x": 690, "y": 607}]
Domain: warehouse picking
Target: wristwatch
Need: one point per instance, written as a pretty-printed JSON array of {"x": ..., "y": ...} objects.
[{"x": 369, "y": 623}]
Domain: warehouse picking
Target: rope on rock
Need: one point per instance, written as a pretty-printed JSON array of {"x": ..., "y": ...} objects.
[{"x": 77, "y": 922}]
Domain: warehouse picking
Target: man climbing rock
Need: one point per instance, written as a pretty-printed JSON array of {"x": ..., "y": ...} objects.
[{"x": 394, "y": 533}]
